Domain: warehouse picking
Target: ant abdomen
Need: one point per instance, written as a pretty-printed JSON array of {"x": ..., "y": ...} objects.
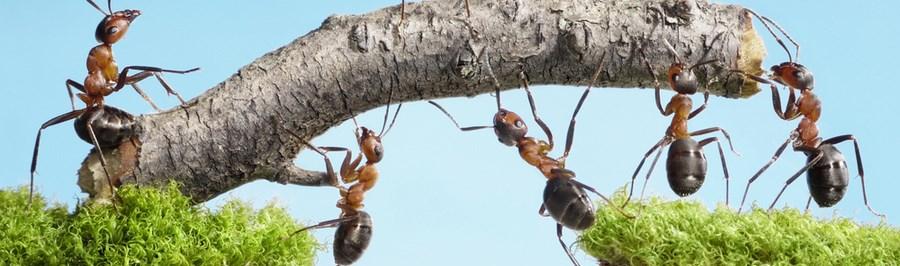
[
  {"x": 111, "y": 126},
  {"x": 568, "y": 204},
  {"x": 686, "y": 167},
  {"x": 352, "y": 238},
  {"x": 828, "y": 178}
]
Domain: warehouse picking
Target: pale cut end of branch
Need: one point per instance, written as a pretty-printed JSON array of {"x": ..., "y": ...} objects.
[
  {"x": 752, "y": 52},
  {"x": 120, "y": 163}
]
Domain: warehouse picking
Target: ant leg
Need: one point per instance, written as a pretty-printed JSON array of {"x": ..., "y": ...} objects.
[
  {"x": 650, "y": 171},
  {"x": 348, "y": 168},
  {"x": 402, "y": 11},
  {"x": 790, "y": 109},
  {"x": 559, "y": 228},
  {"x": 859, "y": 167},
  {"x": 570, "y": 136},
  {"x": 145, "y": 96},
  {"x": 329, "y": 167},
  {"x": 656, "y": 85},
  {"x": 468, "y": 12},
  {"x": 608, "y": 202},
  {"x": 722, "y": 158},
  {"x": 819, "y": 155},
  {"x": 37, "y": 143},
  {"x": 537, "y": 119},
  {"x": 439, "y": 107},
  {"x": 658, "y": 144},
  {"x": 91, "y": 119},
  {"x": 122, "y": 80},
  {"x": 808, "y": 202},
  {"x": 702, "y": 107},
  {"x": 325, "y": 224},
  {"x": 169, "y": 89},
  {"x": 72, "y": 84},
  {"x": 714, "y": 129},
  {"x": 763, "y": 169}
]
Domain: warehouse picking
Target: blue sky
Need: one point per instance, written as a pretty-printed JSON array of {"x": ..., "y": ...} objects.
[{"x": 446, "y": 197}]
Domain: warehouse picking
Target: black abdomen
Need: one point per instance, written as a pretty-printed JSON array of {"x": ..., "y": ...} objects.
[
  {"x": 352, "y": 238},
  {"x": 685, "y": 167},
  {"x": 568, "y": 204},
  {"x": 111, "y": 126},
  {"x": 828, "y": 178}
]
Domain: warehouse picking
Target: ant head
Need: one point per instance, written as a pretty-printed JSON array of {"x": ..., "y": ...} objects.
[
  {"x": 370, "y": 144},
  {"x": 793, "y": 75},
  {"x": 509, "y": 127},
  {"x": 113, "y": 27},
  {"x": 682, "y": 79},
  {"x": 114, "y": 24}
]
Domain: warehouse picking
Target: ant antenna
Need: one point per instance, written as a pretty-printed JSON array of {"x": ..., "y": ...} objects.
[
  {"x": 763, "y": 20},
  {"x": 706, "y": 53},
  {"x": 675, "y": 55},
  {"x": 387, "y": 110},
  {"x": 98, "y": 7},
  {"x": 109, "y": 6}
]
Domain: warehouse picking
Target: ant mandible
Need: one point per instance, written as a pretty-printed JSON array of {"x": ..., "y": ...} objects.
[
  {"x": 686, "y": 163},
  {"x": 354, "y": 225},
  {"x": 564, "y": 198},
  {"x": 826, "y": 169},
  {"x": 103, "y": 76}
]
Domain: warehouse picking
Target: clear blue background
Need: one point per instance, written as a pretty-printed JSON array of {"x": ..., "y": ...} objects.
[{"x": 447, "y": 197}]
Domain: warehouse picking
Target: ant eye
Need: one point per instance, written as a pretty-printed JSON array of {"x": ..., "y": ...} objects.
[
  {"x": 112, "y": 30},
  {"x": 796, "y": 74},
  {"x": 519, "y": 123}
]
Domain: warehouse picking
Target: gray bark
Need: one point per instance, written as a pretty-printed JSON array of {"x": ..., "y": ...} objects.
[{"x": 229, "y": 136}]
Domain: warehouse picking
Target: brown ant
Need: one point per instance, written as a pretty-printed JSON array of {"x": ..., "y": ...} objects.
[
  {"x": 686, "y": 163},
  {"x": 98, "y": 124},
  {"x": 826, "y": 169},
  {"x": 564, "y": 198},
  {"x": 103, "y": 76},
  {"x": 354, "y": 225}
]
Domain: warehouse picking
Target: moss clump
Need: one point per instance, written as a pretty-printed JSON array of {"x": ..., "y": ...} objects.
[
  {"x": 148, "y": 226},
  {"x": 686, "y": 233}
]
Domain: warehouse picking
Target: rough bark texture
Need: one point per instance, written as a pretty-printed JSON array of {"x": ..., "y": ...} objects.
[{"x": 228, "y": 136}]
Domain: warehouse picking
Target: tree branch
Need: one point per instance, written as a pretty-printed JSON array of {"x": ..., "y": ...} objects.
[{"x": 228, "y": 136}]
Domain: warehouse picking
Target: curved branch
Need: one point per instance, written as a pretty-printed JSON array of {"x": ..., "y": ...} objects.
[{"x": 226, "y": 137}]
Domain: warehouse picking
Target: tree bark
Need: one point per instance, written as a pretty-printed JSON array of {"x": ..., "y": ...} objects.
[{"x": 230, "y": 135}]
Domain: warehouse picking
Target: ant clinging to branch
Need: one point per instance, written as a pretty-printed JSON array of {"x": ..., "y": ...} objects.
[
  {"x": 354, "y": 225},
  {"x": 564, "y": 198},
  {"x": 826, "y": 169},
  {"x": 685, "y": 163},
  {"x": 98, "y": 124}
]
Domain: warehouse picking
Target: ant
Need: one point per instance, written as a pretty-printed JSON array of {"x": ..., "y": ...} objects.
[
  {"x": 103, "y": 76},
  {"x": 826, "y": 169},
  {"x": 686, "y": 163},
  {"x": 564, "y": 198},
  {"x": 98, "y": 124},
  {"x": 354, "y": 225}
]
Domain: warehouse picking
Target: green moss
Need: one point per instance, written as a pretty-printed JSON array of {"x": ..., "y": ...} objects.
[
  {"x": 148, "y": 226},
  {"x": 684, "y": 232}
]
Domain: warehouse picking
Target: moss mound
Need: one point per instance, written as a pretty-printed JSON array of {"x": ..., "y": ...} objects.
[
  {"x": 148, "y": 226},
  {"x": 687, "y": 233}
]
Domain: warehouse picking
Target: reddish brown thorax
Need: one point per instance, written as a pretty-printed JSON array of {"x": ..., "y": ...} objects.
[
  {"x": 811, "y": 108},
  {"x": 681, "y": 106}
]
